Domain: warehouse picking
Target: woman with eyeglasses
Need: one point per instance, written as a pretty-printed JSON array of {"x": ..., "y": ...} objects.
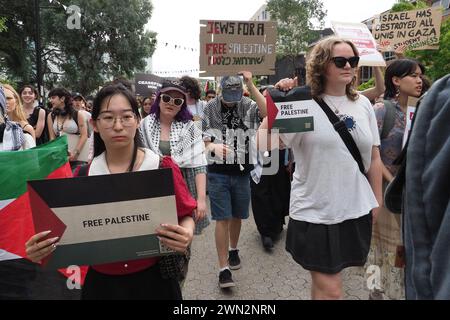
[
  {"x": 170, "y": 130},
  {"x": 333, "y": 204},
  {"x": 118, "y": 149}
]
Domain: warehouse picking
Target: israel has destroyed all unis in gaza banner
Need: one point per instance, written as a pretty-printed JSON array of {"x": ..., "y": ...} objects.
[
  {"x": 104, "y": 218},
  {"x": 408, "y": 30}
]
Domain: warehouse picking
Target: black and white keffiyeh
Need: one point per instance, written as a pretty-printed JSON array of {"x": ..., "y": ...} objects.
[
  {"x": 245, "y": 110},
  {"x": 186, "y": 144}
]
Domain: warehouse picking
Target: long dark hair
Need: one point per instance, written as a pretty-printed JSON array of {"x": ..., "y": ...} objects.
[
  {"x": 183, "y": 115},
  {"x": 68, "y": 108},
  {"x": 399, "y": 68},
  {"x": 107, "y": 93},
  {"x": 192, "y": 87},
  {"x": 143, "y": 113}
]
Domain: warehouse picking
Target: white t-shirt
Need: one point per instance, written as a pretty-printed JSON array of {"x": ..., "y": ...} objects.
[
  {"x": 99, "y": 165},
  {"x": 197, "y": 109},
  {"x": 327, "y": 186}
]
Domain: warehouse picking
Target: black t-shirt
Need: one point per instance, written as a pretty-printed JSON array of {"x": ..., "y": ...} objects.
[{"x": 231, "y": 122}]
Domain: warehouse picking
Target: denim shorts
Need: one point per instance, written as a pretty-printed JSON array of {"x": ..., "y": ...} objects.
[{"x": 229, "y": 196}]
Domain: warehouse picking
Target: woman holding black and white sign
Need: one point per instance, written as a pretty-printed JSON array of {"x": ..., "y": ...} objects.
[{"x": 118, "y": 149}]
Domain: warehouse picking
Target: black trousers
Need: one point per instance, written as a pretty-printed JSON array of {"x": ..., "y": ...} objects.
[
  {"x": 270, "y": 200},
  {"x": 143, "y": 285},
  {"x": 21, "y": 279}
]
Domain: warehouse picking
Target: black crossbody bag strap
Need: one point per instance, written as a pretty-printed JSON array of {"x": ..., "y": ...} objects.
[{"x": 341, "y": 128}]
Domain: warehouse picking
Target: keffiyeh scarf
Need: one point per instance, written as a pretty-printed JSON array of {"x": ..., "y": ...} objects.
[{"x": 186, "y": 143}]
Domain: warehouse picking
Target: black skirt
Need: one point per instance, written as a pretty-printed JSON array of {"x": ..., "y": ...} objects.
[
  {"x": 143, "y": 285},
  {"x": 329, "y": 248}
]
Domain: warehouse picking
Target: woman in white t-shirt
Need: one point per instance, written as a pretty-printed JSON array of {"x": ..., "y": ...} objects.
[{"x": 332, "y": 203}]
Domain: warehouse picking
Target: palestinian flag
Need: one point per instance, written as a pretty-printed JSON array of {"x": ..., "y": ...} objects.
[
  {"x": 292, "y": 111},
  {"x": 47, "y": 161}
]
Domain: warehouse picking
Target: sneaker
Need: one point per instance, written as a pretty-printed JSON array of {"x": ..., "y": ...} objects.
[
  {"x": 233, "y": 259},
  {"x": 267, "y": 242},
  {"x": 225, "y": 279}
]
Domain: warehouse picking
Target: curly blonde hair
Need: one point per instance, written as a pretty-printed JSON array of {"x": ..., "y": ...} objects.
[
  {"x": 17, "y": 115},
  {"x": 317, "y": 63}
]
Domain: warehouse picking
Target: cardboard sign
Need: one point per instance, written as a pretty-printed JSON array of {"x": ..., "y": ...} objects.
[
  {"x": 291, "y": 111},
  {"x": 227, "y": 47},
  {"x": 410, "y": 111},
  {"x": 106, "y": 218},
  {"x": 146, "y": 84},
  {"x": 408, "y": 30},
  {"x": 360, "y": 35}
]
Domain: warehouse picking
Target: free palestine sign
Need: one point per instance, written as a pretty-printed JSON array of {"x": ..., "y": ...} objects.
[
  {"x": 105, "y": 218},
  {"x": 291, "y": 111}
]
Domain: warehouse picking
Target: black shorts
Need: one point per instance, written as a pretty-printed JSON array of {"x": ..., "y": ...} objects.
[{"x": 330, "y": 248}]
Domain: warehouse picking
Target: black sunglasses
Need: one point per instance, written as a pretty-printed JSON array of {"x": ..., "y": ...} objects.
[{"x": 341, "y": 62}]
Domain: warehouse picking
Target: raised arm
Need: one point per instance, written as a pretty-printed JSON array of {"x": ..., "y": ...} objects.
[
  {"x": 373, "y": 93},
  {"x": 259, "y": 98}
]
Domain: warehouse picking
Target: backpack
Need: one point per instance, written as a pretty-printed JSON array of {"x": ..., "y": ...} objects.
[{"x": 389, "y": 119}]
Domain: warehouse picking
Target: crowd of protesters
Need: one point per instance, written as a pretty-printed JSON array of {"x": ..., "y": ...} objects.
[{"x": 332, "y": 194}]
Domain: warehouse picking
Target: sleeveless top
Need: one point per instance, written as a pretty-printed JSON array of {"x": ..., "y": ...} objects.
[
  {"x": 34, "y": 117},
  {"x": 69, "y": 126}
]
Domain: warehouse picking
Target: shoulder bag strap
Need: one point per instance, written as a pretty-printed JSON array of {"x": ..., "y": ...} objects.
[{"x": 341, "y": 128}]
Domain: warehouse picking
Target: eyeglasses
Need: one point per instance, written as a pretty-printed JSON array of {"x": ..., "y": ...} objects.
[
  {"x": 341, "y": 62},
  {"x": 108, "y": 121},
  {"x": 174, "y": 101}
]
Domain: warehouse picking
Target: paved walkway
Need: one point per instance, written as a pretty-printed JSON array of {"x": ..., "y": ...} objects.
[{"x": 263, "y": 275}]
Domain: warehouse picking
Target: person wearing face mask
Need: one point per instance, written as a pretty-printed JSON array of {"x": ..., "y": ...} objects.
[{"x": 230, "y": 122}]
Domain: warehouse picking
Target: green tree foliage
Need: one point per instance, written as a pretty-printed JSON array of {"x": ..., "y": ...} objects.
[
  {"x": 406, "y": 5},
  {"x": 110, "y": 42},
  {"x": 2, "y": 24},
  {"x": 295, "y": 23},
  {"x": 367, "y": 85},
  {"x": 437, "y": 62}
]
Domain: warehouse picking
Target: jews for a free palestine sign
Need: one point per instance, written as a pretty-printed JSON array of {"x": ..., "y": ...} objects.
[
  {"x": 408, "y": 30},
  {"x": 227, "y": 47}
]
